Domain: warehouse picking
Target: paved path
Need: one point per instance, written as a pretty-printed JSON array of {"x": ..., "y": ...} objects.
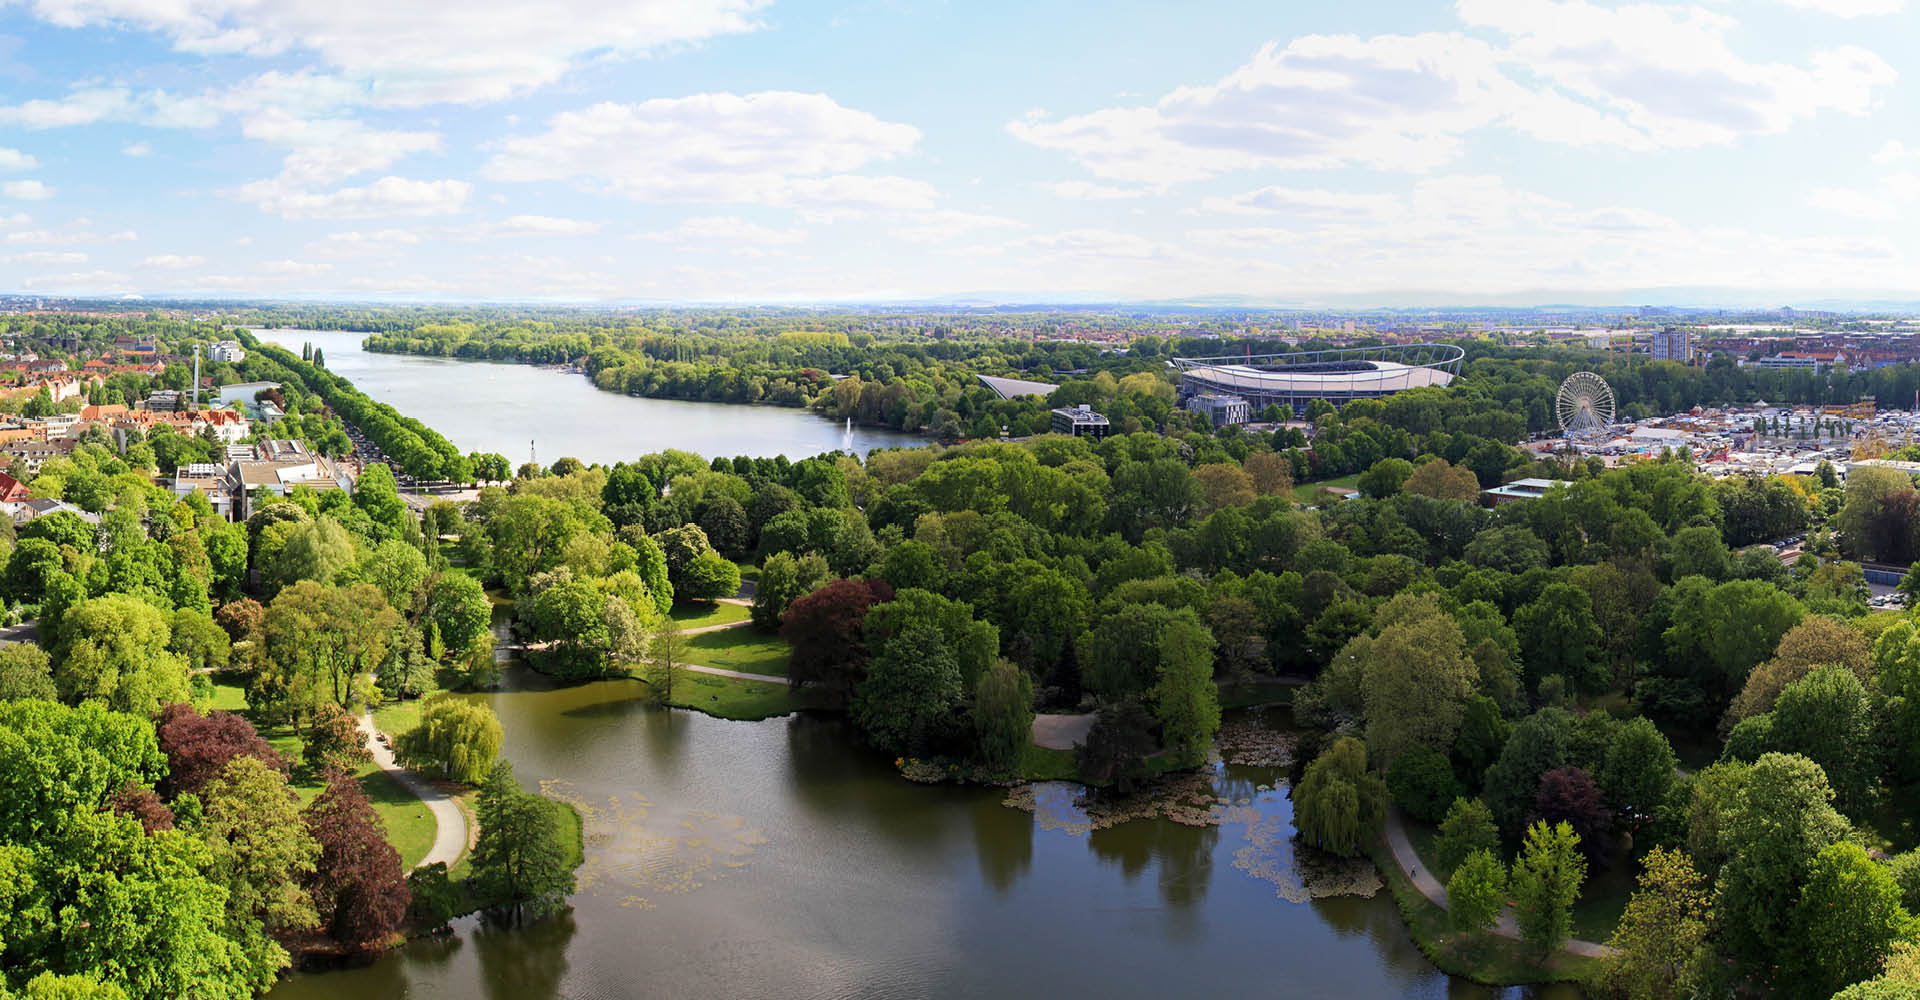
[
  {"x": 718, "y": 672},
  {"x": 722, "y": 627},
  {"x": 1062, "y": 732},
  {"x": 1430, "y": 887},
  {"x": 450, "y": 837}
]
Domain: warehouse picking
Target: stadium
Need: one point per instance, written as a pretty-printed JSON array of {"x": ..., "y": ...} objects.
[{"x": 1337, "y": 376}]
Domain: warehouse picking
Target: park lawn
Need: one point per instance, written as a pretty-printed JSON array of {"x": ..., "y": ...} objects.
[
  {"x": 747, "y": 650},
  {"x": 729, "y": 697},
  {"x": 1309, "y": 493},
  {"x": 700, "y": 614},
  {"x": 1040, "y": 763},
  {"x": 228, "y": 695},
  {"x": 396, "y": 717}
]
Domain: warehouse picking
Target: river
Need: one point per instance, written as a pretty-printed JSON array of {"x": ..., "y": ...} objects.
[
  {"x": 511, "y": 409},
  {"x": 772, "y": 859}
]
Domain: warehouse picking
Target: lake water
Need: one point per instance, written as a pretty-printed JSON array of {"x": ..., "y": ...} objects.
[
  {"x": 509, "y": 408},
  {"x": 772, "y": 859}
]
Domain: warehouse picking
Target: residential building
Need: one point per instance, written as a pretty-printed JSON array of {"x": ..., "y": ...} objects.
[
  {"x": 1080, "y": 421},
  {"x": 1221, "y": 409},
  {"x": 274, "y": 468},
  {"x": 1673, "y": 344},
  {"x": 11, "y": 488},
  {"x": 217, "y": 483},
  {"x": 228, "y": 351}
]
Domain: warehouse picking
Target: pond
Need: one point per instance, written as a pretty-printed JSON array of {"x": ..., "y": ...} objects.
[
  {"x": 773, "y": 859},
  {"x": 514, "y": 409}
]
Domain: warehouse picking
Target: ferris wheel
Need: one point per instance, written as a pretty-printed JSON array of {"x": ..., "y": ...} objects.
[{"x": 1584, "y": 406}]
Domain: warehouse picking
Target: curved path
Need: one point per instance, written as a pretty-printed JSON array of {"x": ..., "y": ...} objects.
[
  {"x": 450, "y": 835},
  {"x": 1430, "y": 887}
]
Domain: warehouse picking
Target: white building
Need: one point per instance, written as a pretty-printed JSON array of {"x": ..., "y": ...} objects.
[{"x": 229, "y": 351}]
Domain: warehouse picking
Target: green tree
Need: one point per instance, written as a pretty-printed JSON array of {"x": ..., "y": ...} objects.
[
  {"x": 668, "y": 652},
  {"x": 520, "y": 863},
  {"x": 313, "y": 550},
  {"x": 262, "y": 854},
  {"x": 1559, "y": 635},
  {"x": 785, "y": 578},
  {"x": 376, "y": 493},
  {"x": 1637, "y": 774},
  {"x": 1828, "y": 718},
  {"x": 1849, "y": 914},
  {"x": 1115, "y": 753},
  {"x": 25, "y": 672},
  {"x": 1778, "y": 821},
  {"x": 114, "y": 649},
  {"x": 1468, "y": 827},
  {"x": 335, "y": 740},
  {"x": 1540, "y": 743},
  {"x": 1546, "y": 880},
  {"x": 1003, "y": 715},
  {"x": 458, "y": 604},
  {"x": 912, "y": 680},
  {"x": 1339, "y": 804},
  {"x": 1660, "y": 942},
  {"x": 1416, "y": 684},
  {"x": 1421, "y": 782},
  {"x": 1477, "y": 892},
  {"x": 1385, "y": 478},
  {"x": 395, "y": 567},
  {"x": 457, "y": 739},
  {"x": 707, "y": 577},
  {"x": 1185, "y": 701}
]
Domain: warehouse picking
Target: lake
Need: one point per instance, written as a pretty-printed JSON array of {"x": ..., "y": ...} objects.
[
  {"x": 511, "y": 409},
  {"x": 773, "y": 859}
]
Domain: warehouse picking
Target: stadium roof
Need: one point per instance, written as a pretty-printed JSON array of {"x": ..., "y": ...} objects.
[
  {"x": 1378, "y": 377},
  {"x": 1008, "y": 388}
]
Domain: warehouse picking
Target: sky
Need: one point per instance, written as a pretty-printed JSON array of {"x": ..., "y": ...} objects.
[{"x": 790, "y": 151}]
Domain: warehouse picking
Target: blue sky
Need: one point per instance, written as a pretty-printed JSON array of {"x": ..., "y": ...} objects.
[{"x": 703, "y": 150}]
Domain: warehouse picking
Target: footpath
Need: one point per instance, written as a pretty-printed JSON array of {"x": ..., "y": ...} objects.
[
  {"x": 1430, "y": 887},
  {"x": 450, "y": 835}
]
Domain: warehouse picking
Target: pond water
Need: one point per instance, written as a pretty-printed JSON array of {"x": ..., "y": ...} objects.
[
  {"x": 773, "y": 859},
  {"x": 511, "y": 409}
]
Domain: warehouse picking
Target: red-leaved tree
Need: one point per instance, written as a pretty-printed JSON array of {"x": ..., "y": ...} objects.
[
  {"x": 1570, "y": 794},
  {"x": 198, "y": 747},
  {"x": 142, "y": 804},
  {"x": 357, "y": 886},
  {"x": 825, "y": 630}
]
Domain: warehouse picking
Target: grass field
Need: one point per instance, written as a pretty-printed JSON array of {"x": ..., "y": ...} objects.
[
  {"x": 730, "y": 697},
  {"x": 1309, "y": 493},
  {"x": 1039, "y": 763},
  {"x": 747, "y": 650},
  {"x": 700, "y": 614}
]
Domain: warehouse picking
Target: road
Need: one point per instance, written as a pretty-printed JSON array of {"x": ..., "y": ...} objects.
[{"x": 450, "y": 837}]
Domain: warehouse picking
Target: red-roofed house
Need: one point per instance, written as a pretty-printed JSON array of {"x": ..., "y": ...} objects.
[{"x": 12, "y": 489}]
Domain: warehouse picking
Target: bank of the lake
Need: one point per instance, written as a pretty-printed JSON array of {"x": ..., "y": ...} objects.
[
  {"x": 509, "y": 408},
  {"x": 773, "y": 859}
]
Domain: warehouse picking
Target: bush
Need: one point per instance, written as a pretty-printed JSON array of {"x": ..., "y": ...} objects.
[{"x": 1422, "y": 782}]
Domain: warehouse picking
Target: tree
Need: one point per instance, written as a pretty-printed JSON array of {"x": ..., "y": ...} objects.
[
  {"x": 1468, "y": 827},
  {"x": 1003, "y": 715},
  {"x": 668, "y": 651},
  {"x": 1638, "y": 772},
  {"x": 262, "y": 854},
  {"x": 1818, "y": 640},
  {"x": 826, "y": 630},
  {"x": 1385, "y": 478},
  {"x": 707, "y": 577},
  {"x": 1546, "y": 880},
  {"x": 435, "y": 899},
  {"x": 1115, "y": 752},
  {"x": 1443, "y": 481},
  {"x": 1699, "y": 551},
  {"x": 313, "y": 550},
  {"x": 578, "y": 624},
  {"x": 1185, "y": 701},
  {"x": 114, "y": 649},
  {"x": 911, "y": 681},
  {"x": 1828, "y": 718},
  {"x": 1558, "y": 635},
  {"x": 1568, "y": 796},
  {"x": 785, "y": 578},
  {"x": 1222, "y": 485},
  {"x": 320, "y": 642},
  {"x": 395, "y": 567},
  {"x": 520, "y": 864},
  {"x": 457, "y": 738},
  {"x": 1421, "y": 781},
  {"x": 241, "y": 619},
  {"x": 198, "y": 747},
  {"x": 1539, "y": 744},
  {"x": 203, "y": 645},
  {"x": 1339, "y": 804},
  {"x": 357, "y": 886},
  {"x": 1849, "y": 913},
  {"x": 458, "y": 605},
  {"x": 1477, "y": 892},
  {"x": 1417, "y": 679},
  {"x": 1271, "y": 473},
  {"x": 335, "y": 741},
  {"x": 25, "y": 672},
  {"x": 1779, "y": 820},
  {"x": 1661, "y": 938}
]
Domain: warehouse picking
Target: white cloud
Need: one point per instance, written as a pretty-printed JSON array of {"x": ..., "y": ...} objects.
[
  {"x": 534, "y": 225},
  {"x": 724, "y": 229},
  {"x": 79, "y": 281},
  {"x": 936, "y": 227},
  {"x": 137, "y": 149},
  {"x": 1850, "y": 8},
  {"x": 1639, "y": 76},
  {"x": 767, "y": 148},
  {"x": 295, "y": 268},
  {"x": 1889, "y": 196},
  {"x": 172, "y": 262},
  {"x": 1895, "y": 152},
  {"x": 420, "y": 53},
  {"x": 326, "y": 151},
  {"x": 1316, "y": 203},
  {"x": 1089, "y": 191},
  {"x": 26, "y": 190},
  {"x": 13, "y": 159},
  {"x": 1099, "y": 244},
  {"x": 388, "y": 196},
  {"x": 47, "y": 257}
]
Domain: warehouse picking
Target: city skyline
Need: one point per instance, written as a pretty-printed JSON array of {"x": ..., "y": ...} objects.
[{"x": 735, "y": 150}]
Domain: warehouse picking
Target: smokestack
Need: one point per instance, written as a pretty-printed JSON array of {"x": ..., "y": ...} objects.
[{"x": 196, "y": 376}]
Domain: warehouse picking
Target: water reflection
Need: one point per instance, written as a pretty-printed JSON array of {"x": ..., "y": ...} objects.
[
  {"x": 1003, "y": 840},
  {"x": 521, "y": 962}
]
